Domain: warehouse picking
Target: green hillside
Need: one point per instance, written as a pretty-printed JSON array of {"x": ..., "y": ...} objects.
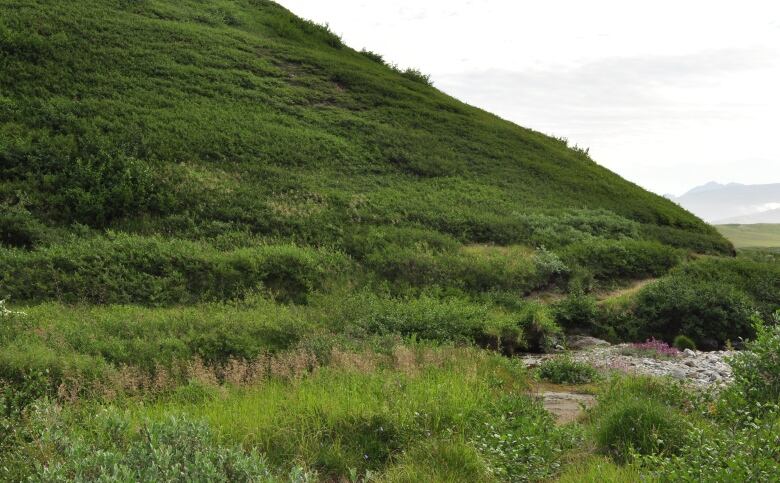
[
  {"x": 190, "y": 119},
  {"x": 752, "y": 236},
  {"x": 232, "y": 248}
]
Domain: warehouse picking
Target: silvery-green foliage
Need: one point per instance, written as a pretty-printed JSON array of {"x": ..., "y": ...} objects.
[
  {"x": 172, "y": 449},
  {"x": 750, "y": 453},
  {"x": 757, "y": 368}
]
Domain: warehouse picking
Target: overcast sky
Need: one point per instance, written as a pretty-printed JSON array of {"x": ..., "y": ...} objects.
[{"x": 669, "y": 94}]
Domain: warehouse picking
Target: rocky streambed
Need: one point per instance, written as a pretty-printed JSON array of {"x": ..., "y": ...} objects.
[{"x": 700, "y": 369}]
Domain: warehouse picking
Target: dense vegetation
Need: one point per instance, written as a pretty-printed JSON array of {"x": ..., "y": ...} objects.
[{"x": 236, "y": 249}]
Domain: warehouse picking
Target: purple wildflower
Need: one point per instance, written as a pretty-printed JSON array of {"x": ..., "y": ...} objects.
[{"x": 658, "y": 346}]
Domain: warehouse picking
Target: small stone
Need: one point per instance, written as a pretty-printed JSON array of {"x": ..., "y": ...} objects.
[{"x": 678, "y": 373}]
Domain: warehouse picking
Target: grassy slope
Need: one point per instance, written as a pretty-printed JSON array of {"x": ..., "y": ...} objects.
[
  {"x": 185, "y": 158},
  {"x": 253, "y": 119},
  {"x": 752, "y": 236}
]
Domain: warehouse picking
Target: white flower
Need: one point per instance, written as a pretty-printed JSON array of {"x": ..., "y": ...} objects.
[{"x": 6, "y": 312}]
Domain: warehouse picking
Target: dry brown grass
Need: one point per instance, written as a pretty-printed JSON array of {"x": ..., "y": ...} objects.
[
  {"x": 362, "y": 362},
  {"x": 405, "y": 360},
  {"x": 291, "y": 366}
]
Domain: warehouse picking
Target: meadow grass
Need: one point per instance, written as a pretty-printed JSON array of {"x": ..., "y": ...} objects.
[
  {"x": 752, "y": 236},
  {"x": 419, "y": 411}
]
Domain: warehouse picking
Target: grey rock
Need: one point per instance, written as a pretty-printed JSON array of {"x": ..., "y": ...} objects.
[{"x": 579, "y": 342}]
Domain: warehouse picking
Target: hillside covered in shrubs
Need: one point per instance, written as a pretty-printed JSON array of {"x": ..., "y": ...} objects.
[{"x": 212, "y": 207}]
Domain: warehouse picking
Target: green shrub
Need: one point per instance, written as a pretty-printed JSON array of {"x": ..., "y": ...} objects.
[
  {"x": 672, "y": 393},
  {"x": 756, "y": 369},
  {"x": 565, "y": 370},
  {"x": 378, "y": 58},
  {"x": 559, "y": 229},
  {"x": 640, "y": 426},
  {"x": 173, "y": 449},
  {"x": 682, "y": 342},
  {"x": 727, "y": 454},
  {"x": 536, "y": 319},
  {"x": 577, "y": 311},
  {"x": 366, "y": 243},
  {"x": 417, "y": 76},
  {"x": 710, "y": 313},
  {"x": 706, "y": 240},
  {"x": 525, "y": 445},
  {"x": 16, "y": 396},
  {"x": 475, "y": 268},
  {"x": 19, "y": 228},
  {"x": 622, "y": 259},
  {"x": 154, "y": 271},
  {"x": 540, "y": 332},
  {"x": 102, "y": 186},
  {"x": 424, "y": 317},
  {"x": 760, "y": 281},
  {"x": 440, "y": 461}
]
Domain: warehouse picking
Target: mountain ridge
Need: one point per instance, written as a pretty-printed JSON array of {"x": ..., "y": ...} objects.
[{"x": 733, "y": 202}]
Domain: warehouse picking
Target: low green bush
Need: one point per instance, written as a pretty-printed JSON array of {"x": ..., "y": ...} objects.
[
  {"x": 540, "y": 331},
  {"x": 565, "y": 370},
  {"x": 19, "y": 228},
  {"x": 153, "y": 271},
  {"x": 621, "y": 259},
  {"x": 577, "y": 311},
  {"x": 378, "y": 58},
  {"x": 474, "y": 268},
  {"x": 710, "y": 313},
  {"x": 172, "y": 449},
  {"x": 725, "y": 454},
  {"x": 417, "y": 76},
  {"x": 525, "y": 445},
  {"x": 424, "y": 317},
  {"x": 103, "y": 185},
  {"x": 682, "y": 342},
  {"x": 639, "y": 426},
  {"x": 368, "y": 241},
  {"x": 89, "y": 343},
  {"x": 664, "y": 391},
  {"x": 756, "y": 370},
  {"x": 440, "y": 461},
  {"x": 704, "y": 240},
  {"x": 759, "y": 280}
]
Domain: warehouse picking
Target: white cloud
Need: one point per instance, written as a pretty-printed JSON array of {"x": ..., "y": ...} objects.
[{"x": 669, "y": 94}]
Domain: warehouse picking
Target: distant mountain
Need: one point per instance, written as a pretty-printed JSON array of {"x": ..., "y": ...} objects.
[{"x": 733, "y": 203}]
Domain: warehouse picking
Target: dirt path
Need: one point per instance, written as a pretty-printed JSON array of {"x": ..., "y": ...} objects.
[
  {"x": 552, "y": 296},
  {"x": 566, "y": 406},
  {"x": 632, "y": 288},
  {"x": 565, "y": 402}
]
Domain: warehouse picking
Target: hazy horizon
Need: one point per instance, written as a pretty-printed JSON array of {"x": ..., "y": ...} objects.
[{"x": 661, "y": 107}]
